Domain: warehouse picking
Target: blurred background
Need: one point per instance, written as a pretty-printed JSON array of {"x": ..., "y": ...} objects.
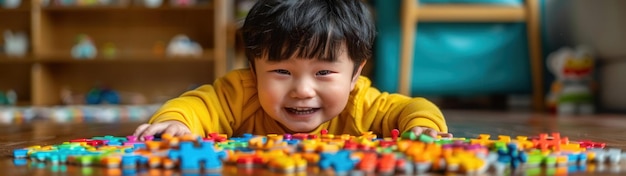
[{"x": 118, "y": 60}]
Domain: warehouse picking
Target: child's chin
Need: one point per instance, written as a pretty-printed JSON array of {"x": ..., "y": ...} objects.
[{"x": 303, "y": 129}]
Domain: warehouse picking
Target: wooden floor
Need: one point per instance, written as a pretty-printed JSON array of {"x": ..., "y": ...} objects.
[{"x": 606, "y": 128}]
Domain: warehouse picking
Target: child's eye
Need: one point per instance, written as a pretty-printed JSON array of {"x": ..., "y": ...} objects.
[
  {"x": 323, "y": 72},
  {"x": 281, "y": 71}
]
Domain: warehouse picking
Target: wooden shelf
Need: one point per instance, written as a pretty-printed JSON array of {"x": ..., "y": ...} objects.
[
  {"x": 470, "y": 13},
  {"x": 141, "y": 57},
  {"x": 12, "y": 60},
  {"x": 134, "y": 30},
  {"x": 122, "y": 8}
]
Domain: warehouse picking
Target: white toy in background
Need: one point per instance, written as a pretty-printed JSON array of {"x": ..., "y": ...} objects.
[
  {"x": 572, "y": 89},
  {"x": 15, "y": 44},
  {"x": 84, "y": 48},
  {"x": 182, "y": 46},
  {"x": 11, "y": 4},
  {"x": 152, "y": 3},
  {"x": 11, "y": 97}
]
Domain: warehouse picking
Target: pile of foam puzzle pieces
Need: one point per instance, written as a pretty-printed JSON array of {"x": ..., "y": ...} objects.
[{"x": 404, "y": 153}]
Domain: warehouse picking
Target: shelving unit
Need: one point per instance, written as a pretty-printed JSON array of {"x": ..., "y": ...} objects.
[{"x": 49, "y": 68}]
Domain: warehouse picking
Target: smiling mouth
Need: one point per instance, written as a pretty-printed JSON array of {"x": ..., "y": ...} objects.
[{"x": 302, "y": 111}]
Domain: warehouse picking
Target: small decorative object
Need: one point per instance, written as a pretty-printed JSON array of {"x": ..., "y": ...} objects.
[
  {"x": 99, "y": 96},
  {"x": 137, "y": 99},
  {"x": 86, "y": 2},
  {"x": 69, "y": 97},
  {"x": 84, "y": 48},
  {"x": 3, "y": 99},
  {"x": 109, "y": 50},
  {"x": 65, "y": 2},
  {"x": 572, "y": 89},
  {"x": 11, "y": 4},
  {"x": 152, "y": 3},
  {"x": 11, "y": 97},
  {"x": 15, "y": 44},
  {"x": 182, "y": 46},
  {"x": 183, "y": 3},
  {"x": 243, "y": 6},
  {"x": 44, "y": 3}
]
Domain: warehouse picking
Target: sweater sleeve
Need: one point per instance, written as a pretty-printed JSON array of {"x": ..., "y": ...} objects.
[
  {"x": 213, "y": 108},
  {"x": 383, "y": 112},
  {"x": 198, "y": 109}
]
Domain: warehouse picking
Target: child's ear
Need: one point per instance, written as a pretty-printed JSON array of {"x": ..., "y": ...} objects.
[{"x": 356, "y": 75}]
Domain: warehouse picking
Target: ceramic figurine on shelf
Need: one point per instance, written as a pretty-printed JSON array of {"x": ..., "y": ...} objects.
[
  {"x": 11, "y": 4},
  {"x": 84, "y": 48},
  {"x": 102, "y": 96},
  {"x": 152, "y": 3},
  {"x": 183, "y": 3},
  {"x": 3, "y": 99},
  {"x": 182, "y": 46},
  {"x": 572, "y": 89},
  {"x": 10, "y": 98},
  {"x": 15, "y": 44},
  {"x": 109, "y": 50}
]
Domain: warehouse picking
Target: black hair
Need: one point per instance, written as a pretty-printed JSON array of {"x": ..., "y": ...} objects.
[{"x": 282, "y": 29}]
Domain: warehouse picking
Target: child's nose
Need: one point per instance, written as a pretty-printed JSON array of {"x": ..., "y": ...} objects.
[{"x": 303, "y": 90}]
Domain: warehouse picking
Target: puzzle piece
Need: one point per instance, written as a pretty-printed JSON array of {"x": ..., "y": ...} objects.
[
  {"x": 512, "y": 155},
  {"x": 341, "y": 161},
  {"x": 191, "y": 156}
]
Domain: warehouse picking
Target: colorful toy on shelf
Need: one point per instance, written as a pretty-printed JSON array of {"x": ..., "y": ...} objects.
[
  {"x": 182, "y": 46},
  {"x": 84, "y": 48},
  {"x": 152, "y": 3},
  {"x": 109, "y": 50},
  {"x": 102, "y": 95},
  {"x": 10, "y": 98},
  {"x": 572, "y": 91},
  {"x": 183, "y": 3},
  {"x": 15, "y": 44},
  {"x": 11, "y": 4}
]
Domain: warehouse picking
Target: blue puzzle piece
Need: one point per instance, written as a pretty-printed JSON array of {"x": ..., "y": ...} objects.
[
  {"x": 112, "y": 140},
  {"x": 20, "y": 153},
  {"x": 191, "y": 156},
  {"x": 512, "y": 155},
  {"x": 341, "y": 161},
  {"x": 132, "y": 160}
]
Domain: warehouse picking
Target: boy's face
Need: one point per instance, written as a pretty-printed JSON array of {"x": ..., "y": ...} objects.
[{"x": 301, "y": 94}]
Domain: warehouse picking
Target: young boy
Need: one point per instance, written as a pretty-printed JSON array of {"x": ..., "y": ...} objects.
[{"x": 305, "y": 60}]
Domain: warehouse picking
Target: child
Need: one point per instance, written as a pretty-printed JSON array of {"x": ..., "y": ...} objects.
[{"x": 305, "y": 60}]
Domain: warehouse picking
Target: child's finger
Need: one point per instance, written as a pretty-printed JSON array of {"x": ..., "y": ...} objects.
[
  {"x": 445, "y": 135},
  {"x": 176, "y": 130},
  {"x": 417, "y": 131},
  {"x": 140, "y": 129},
  {"x": 154, "y": 129},
  {"x": 431, "y": 132}
]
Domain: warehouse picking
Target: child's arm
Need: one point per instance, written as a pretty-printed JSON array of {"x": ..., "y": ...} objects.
[
  {"x": 419, "y": 116},
  {"x": 207, "y": 109},
  {"x": 385, "y": 112}
]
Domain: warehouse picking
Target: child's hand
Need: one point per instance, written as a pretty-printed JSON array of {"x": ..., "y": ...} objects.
[
  {"x": 430, "y": 132},
  {"x": 174, "y": 128}
]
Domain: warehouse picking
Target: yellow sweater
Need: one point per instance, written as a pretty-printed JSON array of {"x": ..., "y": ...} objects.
[{"x": 231, "y": 106}]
